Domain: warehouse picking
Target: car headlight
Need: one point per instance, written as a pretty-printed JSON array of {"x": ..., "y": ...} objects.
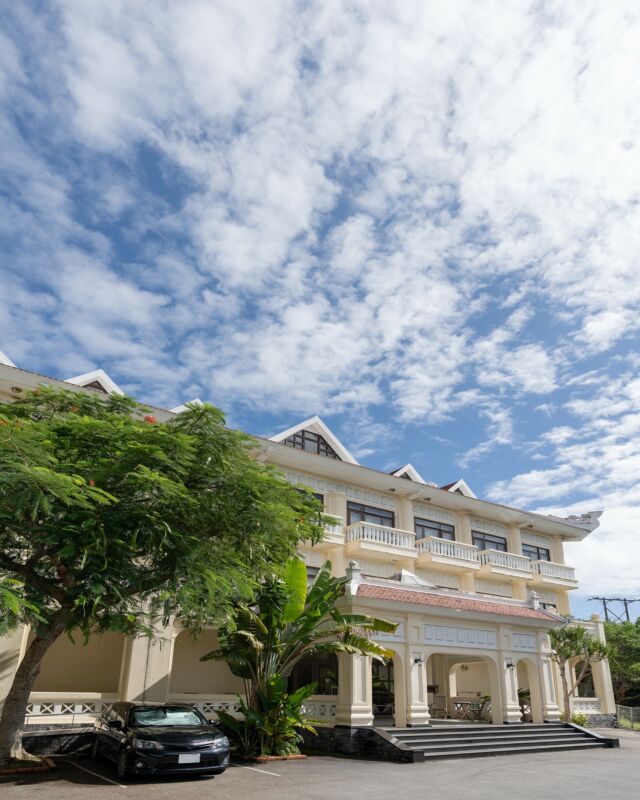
[
  {"x": 147, "y": 744},
  {"x": 221, "y": 743}
]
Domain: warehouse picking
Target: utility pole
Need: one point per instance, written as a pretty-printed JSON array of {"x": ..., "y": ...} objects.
[{"x": 611, "y": 613}]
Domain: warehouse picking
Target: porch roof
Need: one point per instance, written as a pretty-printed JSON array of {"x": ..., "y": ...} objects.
[{"x": 459, "y": 603}]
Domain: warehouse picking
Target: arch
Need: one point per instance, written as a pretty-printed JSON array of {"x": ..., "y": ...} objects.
[
  {"x": 189, "y": 675},
  {"x": 388, "y": 689},
  {"x": 448, "y": 680},
  {"x": 529, "y": 680},
  {"x": 322, "y": 670}
]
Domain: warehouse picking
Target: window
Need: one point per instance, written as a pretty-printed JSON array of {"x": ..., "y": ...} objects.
[
  {"x": 311, "y": 574},
  {"x": 486, "y": 541},
  {"x": 536, "y": 553},
  {"x": 549, "y": 606},
  {"x": 357, "y": 512},
  {"x": 312, "y": 443},
  {"x": 167, "y": 716},
  {"x": 427, "y": 527}
]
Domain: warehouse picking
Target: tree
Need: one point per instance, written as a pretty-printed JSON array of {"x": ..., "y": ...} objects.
[
  {"x": 575, "y": 642},
  {"x": 109, "y": 519},
  {"x": 624, "y": 640},
  {"x": 262, "y": 641}
]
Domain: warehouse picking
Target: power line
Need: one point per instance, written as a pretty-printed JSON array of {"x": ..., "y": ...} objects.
[{"x": 617, "y": 615}]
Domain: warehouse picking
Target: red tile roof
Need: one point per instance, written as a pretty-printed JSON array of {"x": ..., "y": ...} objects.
[{"x": 444, "y": 601}]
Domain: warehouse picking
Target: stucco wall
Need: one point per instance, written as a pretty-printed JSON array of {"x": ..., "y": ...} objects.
[
  {"x": 192, "y": 676},
  {"x": 94, "y": 667}
]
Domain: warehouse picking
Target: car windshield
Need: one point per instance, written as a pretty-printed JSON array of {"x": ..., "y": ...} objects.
[{"x": 167, "y": 715}]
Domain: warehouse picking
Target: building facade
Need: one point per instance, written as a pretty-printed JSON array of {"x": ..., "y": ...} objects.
[{"x": 473, "y": 586}]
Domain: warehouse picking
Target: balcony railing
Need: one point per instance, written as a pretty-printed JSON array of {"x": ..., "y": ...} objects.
[
  {"x": 497, "y": 558},
  {"x": 379, "y": 534},
  {"x": 334, "y": 532},
  {"x": 552, "y": 570},
  {"x": 448, "y": 549}
]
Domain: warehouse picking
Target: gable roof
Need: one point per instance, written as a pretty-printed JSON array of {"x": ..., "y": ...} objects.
[
  {"x": 97, "y": 376},
  {"x": 459, "y": 486},
  {"x": 411, "y": 472},
  {"x": 316, "y": 425},
  {"x": 4, "y": 359},
  {"x": 185, "y": 406}
]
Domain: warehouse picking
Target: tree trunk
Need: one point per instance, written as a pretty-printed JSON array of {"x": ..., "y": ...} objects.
[
  {"x": 565, "y": 691},
  {"x": 15, "y": 706}
]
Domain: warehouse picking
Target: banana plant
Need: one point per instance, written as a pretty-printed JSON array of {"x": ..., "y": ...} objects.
[{"x": 263, "y": 641}]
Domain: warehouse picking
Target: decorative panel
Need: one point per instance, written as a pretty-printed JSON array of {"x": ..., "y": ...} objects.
[
  {"x": 444, "y": 579},
  {"x": 454, "y": 636},
  {"x": 547, "y": 597},
  {"x": 398, "y": 636},
  {"x": 433, "y": 512},
  {"x": 499, "y": 588},
  {"x": 523, "y": 641},
  {"x": 361, "y": 495},
  {"x": 537, "y": 539},
  {"x": 312, "y": 559},
  {"x": 486, "y": 526}
]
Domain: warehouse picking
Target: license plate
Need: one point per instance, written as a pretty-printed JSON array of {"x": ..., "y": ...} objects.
[{"x": 189, "y": 758}]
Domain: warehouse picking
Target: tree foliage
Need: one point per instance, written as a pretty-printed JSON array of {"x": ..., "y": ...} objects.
[
  {"x": 108, "y": 517},
  {"x": 575, "y": 643},
  {"x": 624, "y": 640}
]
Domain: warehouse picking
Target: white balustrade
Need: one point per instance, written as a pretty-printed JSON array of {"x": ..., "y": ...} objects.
[
  {"x": 320, "y": 710},
  {"x": 447, "y": 548},
  {"x": 334, "y": 531},
  {"x": 379, "y": 534},
  {"x": 43, "y": 706},
  {"x": 553, "y": 570},
  {"x": 497, "y": 558}
]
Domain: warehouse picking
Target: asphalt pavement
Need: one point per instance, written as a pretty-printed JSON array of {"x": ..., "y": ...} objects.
[{"x": 602, "y": 774}]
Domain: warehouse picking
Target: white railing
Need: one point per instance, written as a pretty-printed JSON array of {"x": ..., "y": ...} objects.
[
  {"x": 320, "y": 710},
  {"x": 497, "y": 558},
  {"x": 553, "y": 570},
  {"x": 72, "y": 707},
  {"x": 379, "y": 534},
  {"x": 210, "y": 704},
  {"x": 444, "y": 547},
  {"x": 586, "y": 705},
  {"x": 334, "y": 532}
]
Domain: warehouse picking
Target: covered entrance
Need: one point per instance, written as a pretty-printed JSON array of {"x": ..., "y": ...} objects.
[{"x": 463, "y": 687}]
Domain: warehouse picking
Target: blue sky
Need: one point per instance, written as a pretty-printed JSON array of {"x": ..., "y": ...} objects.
[{"x": 420, "y": 222}]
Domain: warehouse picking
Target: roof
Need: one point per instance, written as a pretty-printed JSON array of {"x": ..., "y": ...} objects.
[
  {"x": 455, "y": 603},
  {"x": 316, "y": 425}
]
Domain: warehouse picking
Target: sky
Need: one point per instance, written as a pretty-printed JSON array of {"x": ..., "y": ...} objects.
[{"x": 419, "y": 220}]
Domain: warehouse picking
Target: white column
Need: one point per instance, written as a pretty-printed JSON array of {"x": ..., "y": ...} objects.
[
  {"x": 550, "y": 709},
  {"x": 146, "y": 671},
  {"x": 354, "y": 706},
  {"x": 510, "y": 705},
  {"x": 417, "y": 700}
]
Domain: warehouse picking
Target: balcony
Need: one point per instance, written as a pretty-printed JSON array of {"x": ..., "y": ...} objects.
[
  {"x": 547, "y": 573},
  {"x": 333, "y": 534},
  {"x": 447, "y": 555},
  {"x": 497, "y": 564},
  {"x": 367, "y": 539}
]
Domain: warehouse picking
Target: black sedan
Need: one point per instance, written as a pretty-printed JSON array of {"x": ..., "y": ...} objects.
[{"x": 160, "y": 738}]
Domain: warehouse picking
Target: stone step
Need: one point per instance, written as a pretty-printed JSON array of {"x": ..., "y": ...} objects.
[
  {"x": 506, "y": 751},
  {"x": 474, "y": 744},
  {"x": 410, "y": 737},
  {"x": 470, "y": 726}
]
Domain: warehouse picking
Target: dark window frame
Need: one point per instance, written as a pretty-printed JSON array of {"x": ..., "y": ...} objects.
[
  {"x": 364, "y": 511},
  {"x": 535, "y": 552},
  {"x": 489, "y": 541},
  {"x": 436, "y": 528},
  {"x": 311, "y": 442}
]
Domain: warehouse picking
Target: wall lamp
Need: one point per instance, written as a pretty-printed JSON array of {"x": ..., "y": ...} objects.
[
  {"x": 418, "y": 660},
  {"x": 509, "y": 663}
]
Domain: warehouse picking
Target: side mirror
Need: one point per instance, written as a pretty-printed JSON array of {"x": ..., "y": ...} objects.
[
  {"x": 115, "y": 724},
  {"x": 215, "y": 722}
]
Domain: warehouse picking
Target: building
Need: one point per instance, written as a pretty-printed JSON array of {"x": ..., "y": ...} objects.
[{"x": 473, "y": 586}]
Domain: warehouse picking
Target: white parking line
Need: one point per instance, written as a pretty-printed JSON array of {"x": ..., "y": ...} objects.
[
  {"x": 255, "y": 769},
  {"x": 95, "y": 774}
]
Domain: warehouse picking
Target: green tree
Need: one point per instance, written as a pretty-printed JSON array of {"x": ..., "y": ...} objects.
[
  {"x": 263, "y": 640},
  {"x": 624, "y": 640},
  {"x": 574, "y": 642},
  {"x": 109, "y": 519}
]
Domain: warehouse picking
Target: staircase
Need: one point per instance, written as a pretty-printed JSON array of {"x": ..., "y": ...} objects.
[{"x": 473, "y": 740}]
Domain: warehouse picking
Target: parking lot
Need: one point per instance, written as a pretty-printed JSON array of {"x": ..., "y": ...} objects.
[{"x": 591, "y": 775}]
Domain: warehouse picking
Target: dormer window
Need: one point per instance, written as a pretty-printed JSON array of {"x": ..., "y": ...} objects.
[{"x": 312, "y": 443}]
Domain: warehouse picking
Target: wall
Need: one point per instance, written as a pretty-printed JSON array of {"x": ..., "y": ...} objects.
[
  {"x": 94, "y": 667},
  {"x": 189, "y": 675}
]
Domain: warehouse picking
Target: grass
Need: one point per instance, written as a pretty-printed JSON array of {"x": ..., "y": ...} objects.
[{"x": 632, "y": 726}]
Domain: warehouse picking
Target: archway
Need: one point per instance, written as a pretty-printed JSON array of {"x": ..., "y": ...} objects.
[
  {"x": 529, "y": 693},
  {"x": 464, "y": 686},
  {"x": 388, "y": 694},
  {"x": 321, "y": 670}
]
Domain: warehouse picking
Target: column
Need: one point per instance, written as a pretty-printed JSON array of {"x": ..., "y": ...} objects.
[
  {"x": 601, "y": 672},
  {"x": 146, "y": 672},
  {"x": 354, "y": 706},
  {"x": 463, "y": 528},
  {"x": 416, "y": 675},
  {"x": 550, "y": 710},
  {"x": 13, "y": 647},
  {"x": 510, "y": 706},
  {"x": 514, "y": 539}
]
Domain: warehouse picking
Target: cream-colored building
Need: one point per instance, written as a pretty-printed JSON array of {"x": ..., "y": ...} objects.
[{"x": 474, "y": 587}]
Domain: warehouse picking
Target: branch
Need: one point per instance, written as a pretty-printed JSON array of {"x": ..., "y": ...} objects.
[{"x": 45, "y": 586}]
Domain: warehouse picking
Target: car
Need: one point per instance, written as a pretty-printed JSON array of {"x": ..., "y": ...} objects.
[{"x": 160, "y": 739}]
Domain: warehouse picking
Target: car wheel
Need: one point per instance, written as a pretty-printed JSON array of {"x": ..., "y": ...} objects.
[
  {"x": 122, "y": 769},
  {"x": 95, "y": 749}
]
